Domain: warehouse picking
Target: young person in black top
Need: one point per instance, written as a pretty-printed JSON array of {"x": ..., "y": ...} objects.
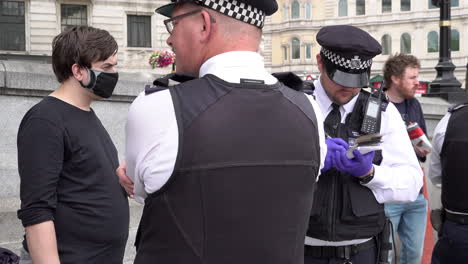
[
  {"x": 72, "y": 206},
  {"x": 401, "y": 74}
]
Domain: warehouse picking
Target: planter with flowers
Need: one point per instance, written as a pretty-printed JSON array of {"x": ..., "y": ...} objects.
[{"x": 161, "y": 59}]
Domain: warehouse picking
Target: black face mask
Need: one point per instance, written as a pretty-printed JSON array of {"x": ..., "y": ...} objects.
[{"x": 101, "y": 83}]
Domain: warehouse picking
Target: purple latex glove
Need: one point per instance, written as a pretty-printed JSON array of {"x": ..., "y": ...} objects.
[
  {"x": 359, "y": 166},
  {"x": 334, "y": 148}
]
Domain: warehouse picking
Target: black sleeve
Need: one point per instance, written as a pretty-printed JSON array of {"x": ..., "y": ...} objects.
[
  {"x": 40, "y": 159},
  {"x": 422, "y": 123}
]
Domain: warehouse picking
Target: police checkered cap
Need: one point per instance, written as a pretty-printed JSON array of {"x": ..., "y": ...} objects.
[
  {"x": 353, "y": 64},
  {"x": 249, "y": 11},
  {"x": 238, "y": 10}
]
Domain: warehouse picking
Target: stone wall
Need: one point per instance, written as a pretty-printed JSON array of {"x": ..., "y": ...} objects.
[{"x": 417, "y": 23}]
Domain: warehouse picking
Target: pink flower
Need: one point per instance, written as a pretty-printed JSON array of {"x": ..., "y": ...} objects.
[{"x": 161, "y": 59}]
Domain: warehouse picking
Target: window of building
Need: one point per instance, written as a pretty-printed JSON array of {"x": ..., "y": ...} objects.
[
  {"x": 405, "y": 43},
  {"x": 295, "y": 10},
  {"x": 285, "y": 13},
  {"x": 308, "y": 11},
  {"x": 308, "y": 51},
  {"x": 453, "y": 3},
  {"x": 138, "y": 31},
  {"x": 386, "y": 6},
  {"x": 12, "y": 26},
  {"x": 285, "y": 53},
  {"x": 386, "y": 44},
  {"x": 433, "y": 41},
  {"x": 405, "y": 5},
  {"x": 73, "y": 15},
  {"x": 455, "y": 44},
  {"x": 295, "y": 49},
  {"x": 360, "y": 7},
  {"x": 343, "y": 8}
]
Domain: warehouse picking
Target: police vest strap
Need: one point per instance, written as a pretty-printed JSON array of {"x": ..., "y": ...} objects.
[
  {"x": 289, "y": 79},
  {"x": 457, "y": 107}
]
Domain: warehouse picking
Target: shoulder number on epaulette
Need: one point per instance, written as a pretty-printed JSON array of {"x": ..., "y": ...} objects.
[{"x": 149, "y": 89}]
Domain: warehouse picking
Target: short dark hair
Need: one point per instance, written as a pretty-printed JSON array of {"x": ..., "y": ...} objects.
[
  {"x": 82, "y": 45},
  {"x": 396, "y": 65}
]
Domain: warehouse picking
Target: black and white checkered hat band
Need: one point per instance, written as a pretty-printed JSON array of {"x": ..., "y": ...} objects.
[
  {"x": 240, "y": 11},
  {"x": 351, "y": 64}
]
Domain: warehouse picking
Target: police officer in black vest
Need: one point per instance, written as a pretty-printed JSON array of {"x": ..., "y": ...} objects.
[
  {"x": 226, "y": 163},
  {"x": 448, "y": 166},
  {"x": 348, "y": 214}
]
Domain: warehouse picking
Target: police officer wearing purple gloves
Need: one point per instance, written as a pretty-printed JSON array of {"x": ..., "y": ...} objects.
[{"x": 348, "y": 214}]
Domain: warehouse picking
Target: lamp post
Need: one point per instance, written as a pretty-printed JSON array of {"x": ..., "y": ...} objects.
[{"x": 445, "y": 85}]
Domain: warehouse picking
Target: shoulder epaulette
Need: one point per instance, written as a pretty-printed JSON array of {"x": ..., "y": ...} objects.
[
  {"x": 457, "y": 107},
  {"x": 383, "y": 105},
  {"x": 289, "y": 79},
  {"x": 162, "y": 83},
  {"x": 177, "y": 77},
  {"x": 385, "y": 101},
  {"x": 308, "y": 87},
  {"x": 149, "y": 89}
]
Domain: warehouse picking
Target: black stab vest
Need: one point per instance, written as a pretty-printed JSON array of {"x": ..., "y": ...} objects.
[
  {"x": 454, "y": 161},
  {"x": 243, "y": 183},
  {"x": 343, "y": 209}
]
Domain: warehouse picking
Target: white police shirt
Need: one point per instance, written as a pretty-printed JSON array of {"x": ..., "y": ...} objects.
[
  {"x": 435, "y": 166},
  {"x": 399, "y": 176},
  {"x": 152, "y": 132}
]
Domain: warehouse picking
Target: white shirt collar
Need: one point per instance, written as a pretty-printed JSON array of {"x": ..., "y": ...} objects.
[
  {"x": 234, "y": 65},
  {"x": 325, "y": 103}
]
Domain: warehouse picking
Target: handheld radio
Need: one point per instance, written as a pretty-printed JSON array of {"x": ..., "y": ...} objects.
[{"x": 373, "y": 112}]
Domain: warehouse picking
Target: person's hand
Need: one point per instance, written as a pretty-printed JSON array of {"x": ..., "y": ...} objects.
[
  {"x": 124, "y": 180},
  {"x": 359, "y": 166},
  {"x": 334, "y": 146},
  {"x": 421, "y": 152}
]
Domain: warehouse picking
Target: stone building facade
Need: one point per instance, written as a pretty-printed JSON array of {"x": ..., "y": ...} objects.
[
  {"x": 409, "y": 26},
  {"x": 28, "y": 27}
]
